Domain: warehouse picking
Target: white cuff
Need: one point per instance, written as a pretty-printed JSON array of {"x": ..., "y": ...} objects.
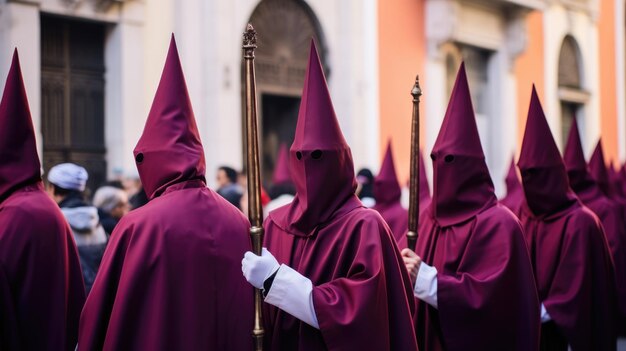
[
  {"x": 426, "y": 284},
  {"x": 545, "y": 317},
  {"x": 293, "y": 293}
]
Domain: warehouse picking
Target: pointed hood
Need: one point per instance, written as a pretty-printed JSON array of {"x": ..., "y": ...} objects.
[
  {"x": 615, "y": 179},
  {"x": 511, "y": 180},
  {"x": 320, "y": 160},
  {"x": 598, "y": 170},
  {"x": 386, "y": 187},
  {"x": 19, "y": 162},
  {"x": 544, "y": 177},
  {"x": 281, "y": 170},
  {"x": 574, "y": 156},
  {"x": 169, "y": 150},
  {"x": 462, "y": 185},
  {"x": 579, "y": 177},
  {"x": 514, "y": 197},
  {"x": 619, "y": 182},
  {"x": 424, "y": 197}
]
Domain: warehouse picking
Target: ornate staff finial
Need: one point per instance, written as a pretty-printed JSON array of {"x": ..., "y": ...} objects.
[
  {"x": 417, "y": 90},
  {"x": 414, "y": 206},
  {"x": 249, "y": 41},
  {"x": 253, "y": 166}
]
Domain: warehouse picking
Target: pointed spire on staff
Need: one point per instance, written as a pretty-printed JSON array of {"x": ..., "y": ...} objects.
[
  {"x": 255, "y": 210},
  {"x": 414, "y": 207}
]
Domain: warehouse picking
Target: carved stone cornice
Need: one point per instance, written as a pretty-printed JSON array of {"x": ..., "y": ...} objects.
[
  {"x": 104, "y": 5},
  {"x": 447, "y": 22}
]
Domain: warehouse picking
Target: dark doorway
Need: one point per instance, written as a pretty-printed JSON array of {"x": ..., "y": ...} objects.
[
  {"x": 569, "y": 111},
  {"x": 72, "y": 104},
  {"x": 285, "y": 29},
  {"x": 280, "y": 115}
]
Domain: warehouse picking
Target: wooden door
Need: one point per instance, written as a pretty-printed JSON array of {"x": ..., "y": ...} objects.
[{"x": 72, "y": 83}]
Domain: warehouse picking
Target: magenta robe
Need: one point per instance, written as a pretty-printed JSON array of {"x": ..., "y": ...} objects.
[
  {"x": 41, "y": 285},
  {"x": 574, "y": 274},
  {"x": 361, "y": 289},
  {"x": 387, "y": 193},
  {"x": 514, "y": 192},
  {"x": 170, "y": 278},
  {"x": 568, "y": 247},
  {"x": 486, "y": 293},
  {"x": 396, "y": 216},
  {"x": 609, "y": 213},
  {"x": 486, "y": 297}
]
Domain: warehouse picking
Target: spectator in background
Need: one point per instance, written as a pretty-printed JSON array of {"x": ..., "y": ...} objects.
[
  {"x": 282, "y": 190},
  {"x": 365, "y": 188},
  {"x": 227, "y": 185},
  {"x": 112, "y": 204},
  {"x": 242, "y": 180},
  {"x": 114, "y": 183},
  {"x": 66, "y": 184},
  {"x": 139, "y": 199}
]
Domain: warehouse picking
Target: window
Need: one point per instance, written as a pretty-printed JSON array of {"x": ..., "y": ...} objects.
[{"x": 571, "y": 93}]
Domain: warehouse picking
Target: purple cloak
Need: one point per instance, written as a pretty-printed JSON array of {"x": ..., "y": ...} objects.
[
  {"x": 514, "y": 192},
  {"x": 609, "y": 213},
  {"x": 387, "y": 193},
  {"x": 361, "y": 290},
  {"x": 486, "y": 295},
  {"x": 41, "y": 285},
  {"x": 170, "y": 278},
  {"x": 568, "y": 248}
]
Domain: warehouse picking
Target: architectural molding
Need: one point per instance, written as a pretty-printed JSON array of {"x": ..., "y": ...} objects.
[{"x": 490, "y": 24}]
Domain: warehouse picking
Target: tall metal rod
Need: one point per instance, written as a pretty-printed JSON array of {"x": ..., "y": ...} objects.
[
  {"x": 255, "y": 210},
  {"x": 414, "y": 178}
]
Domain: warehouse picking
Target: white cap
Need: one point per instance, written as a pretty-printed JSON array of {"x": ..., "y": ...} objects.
[
  {"x": 109, "y": 197},
  {"x": 68, "y": 176}
]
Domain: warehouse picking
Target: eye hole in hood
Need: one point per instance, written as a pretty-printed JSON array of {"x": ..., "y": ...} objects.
[
  {"x": 320, "y": 164},
  {"x": 462, "y": 186},
  {"x": 169, "y": 150},
  {"x": 543, "y": 173},
  {"x": 316, "y": 155}
]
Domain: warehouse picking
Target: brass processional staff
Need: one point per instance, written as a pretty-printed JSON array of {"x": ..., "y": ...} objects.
[
  {"x": 414, "y": 178},
  {"x": 255, "y": 210}
]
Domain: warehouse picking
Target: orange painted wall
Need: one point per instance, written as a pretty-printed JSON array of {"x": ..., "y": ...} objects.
[
  {"x": 529, "y": 69},
  {"x": 608, "y": 84},
  {"x": 402, "y": 51}
]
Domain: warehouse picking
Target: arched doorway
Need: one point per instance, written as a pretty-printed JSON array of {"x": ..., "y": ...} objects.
[
  {"x": 284, "y": 30},
  {"x": 571, "y": 93}
]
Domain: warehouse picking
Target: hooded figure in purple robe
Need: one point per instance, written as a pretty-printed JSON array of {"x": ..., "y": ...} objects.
[
  {"x": 41, "y": 285},
  {"x": 424, "y": 195},
  {"x": 609, "y": 213},
  {"x": 619, "y": 180},
  {"x": 474, "y": 280},
  {"x": 614, "y": 179},
  {"x": 170, "y": 278},
  {"x": 332, "y": 274},
  {"x": 514, "y": 192},
  {"x": 387, "y": 193},
  {"x": 568, "y": 248},
  {"x": 599, "y": 171}
]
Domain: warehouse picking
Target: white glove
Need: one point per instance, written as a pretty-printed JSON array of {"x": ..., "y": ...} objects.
[
  {"x": 257, "y": 269},
  {"x": 293, "y": 293}
]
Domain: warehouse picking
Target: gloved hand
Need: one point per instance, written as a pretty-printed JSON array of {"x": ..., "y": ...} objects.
[{"x": 258, "y": 268}]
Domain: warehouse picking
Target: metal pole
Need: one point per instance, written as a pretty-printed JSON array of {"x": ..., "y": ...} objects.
[
  {"x": 255, "y": 210},
  {"x": 414, "y": 179}
]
